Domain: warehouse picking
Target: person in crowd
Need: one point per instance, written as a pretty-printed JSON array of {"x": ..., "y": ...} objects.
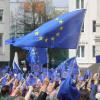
[
  {"x": 42, "y": 88},
  {"x": 98, "y": 91}
]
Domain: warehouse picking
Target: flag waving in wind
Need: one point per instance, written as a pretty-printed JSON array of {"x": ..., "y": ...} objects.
[
  {"x": 61, "y": 32},
  {"x": 16, "y": 67}
]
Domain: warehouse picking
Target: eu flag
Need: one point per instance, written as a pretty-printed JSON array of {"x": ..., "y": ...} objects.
[
  {"x": 37, "y": 55},
  {"x": 68, "y": 90},
  {"x": 61, "y": 32},
  {"x": 69, "y": 65},
  {"x": 32, "y": 58}
]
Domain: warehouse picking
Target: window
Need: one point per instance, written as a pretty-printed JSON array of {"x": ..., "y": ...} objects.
[
  {"x": 77, "y": 3},
  {"x": 0, "y": 39},
  {"x": 94, "y": 26},
  {"x": 82, "y": 30},
  {"x": 93, "y": 51},
  {"x": 80, "y": 52},
  {"x": 82, "y": 3},
  {"x": 1, "y": 14}
]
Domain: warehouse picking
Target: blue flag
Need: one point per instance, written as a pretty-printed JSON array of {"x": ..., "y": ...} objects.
[
  {"x": 61, "y": 32},
  {"x": 73, "y": 66},
  {"x": 19, "y": 77},
  {"x": 98, "y": 59},
  {"x": 4, "y": 80},
  {"x": 10, "y": 41},
  {"x": 16, "y": 68},
  {"x": 68, "y": 90},
  {"x": 32, "y": 58},
  {"x": 87, "y": 74},
  {"x": 31, "y": 80},
  {"x": 4, "y": 69},
  {"x": 37, "y": 55},
  {"x": 42, "y": 55},
  {"x": 69, "y": 65}
]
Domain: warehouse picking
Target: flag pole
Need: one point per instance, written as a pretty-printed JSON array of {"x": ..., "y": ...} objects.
[{"x": 47, "y": 62}]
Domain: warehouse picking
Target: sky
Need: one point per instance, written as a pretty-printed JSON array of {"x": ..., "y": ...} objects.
[{"x": 60, "y": 3}]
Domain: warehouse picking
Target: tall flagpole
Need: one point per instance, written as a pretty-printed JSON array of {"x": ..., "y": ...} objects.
[{"x": 47, "y": 61}]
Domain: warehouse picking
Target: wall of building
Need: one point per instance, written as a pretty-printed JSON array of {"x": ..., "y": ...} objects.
[
  {"x": 98, "y": 29},
  {"x": 87, "y": 38},
  {"x": 4, "y": 30}
]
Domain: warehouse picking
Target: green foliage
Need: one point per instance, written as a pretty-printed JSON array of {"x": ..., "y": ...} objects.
[{"x": 56, "y": 56}]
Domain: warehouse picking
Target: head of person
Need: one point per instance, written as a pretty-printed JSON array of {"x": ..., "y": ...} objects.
[
  {"x": 5, "y": 90},
  {"x": 50, "y": 88}
]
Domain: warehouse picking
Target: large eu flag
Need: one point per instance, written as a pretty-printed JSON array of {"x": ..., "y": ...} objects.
[{"x": 61, "y": 32}]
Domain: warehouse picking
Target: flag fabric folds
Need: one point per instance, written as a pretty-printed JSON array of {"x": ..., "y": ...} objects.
[
  {"x": 69, "y": 65},
  {"x": 61, "y": 32},
  {"x": 32, "y": 58},
  {"x": 10, "y": 41},
  {"x": 31, "y": 80},
  {"x": 73, "y": 66},
  {"x": 4, "y": 69},
  {"x": 68, "y": 90},
  {"x": 37, "y": 55},
  {"x": 16, "y": 68}
]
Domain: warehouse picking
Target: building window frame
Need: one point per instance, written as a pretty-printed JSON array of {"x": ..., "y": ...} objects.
[
  {"x": 82, "y": 30},
  {"x": 94, "y": 25},
  {"x": 82, "y": 3},
  {"x": 1, "y": 39},
  {"x": 77, "y": 4},
  {"x": 93, "y": 51},
  {"x": 1, "y": 15},
  {"x": 81, "y": 51}
]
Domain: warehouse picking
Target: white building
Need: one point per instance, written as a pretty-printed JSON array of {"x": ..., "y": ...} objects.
[
  {"x": 98, "y": 29},
  {"x": 86, "y": 49},
  {"x": 4, "y": 30}
]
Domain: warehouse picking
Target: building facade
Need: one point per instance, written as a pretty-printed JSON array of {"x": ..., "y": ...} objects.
[
  {"x": 86, "y": 48},
  {"x": 98, "y": 29},
  {"x": 4, "y": 31}
]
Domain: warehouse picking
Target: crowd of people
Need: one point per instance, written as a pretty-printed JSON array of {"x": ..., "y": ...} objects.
[{"x": 32, "y": 87}]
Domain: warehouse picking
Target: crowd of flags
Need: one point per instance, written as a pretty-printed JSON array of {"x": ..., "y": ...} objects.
[{"x": 61, "y": 32}]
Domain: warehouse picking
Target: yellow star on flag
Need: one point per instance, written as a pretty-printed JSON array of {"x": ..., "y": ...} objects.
[
  {"x": 61, "y": 28},
  {"x": 57, "y": 34},
  {"x": 57, "y": 19},
  {"x": 41, "y": 38},
  {"x": 36, "y": 33},
  {"x": 61, "y": 21},
  {"x": 52, "y": 38},
  {"x": 46, "y": 40}
]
